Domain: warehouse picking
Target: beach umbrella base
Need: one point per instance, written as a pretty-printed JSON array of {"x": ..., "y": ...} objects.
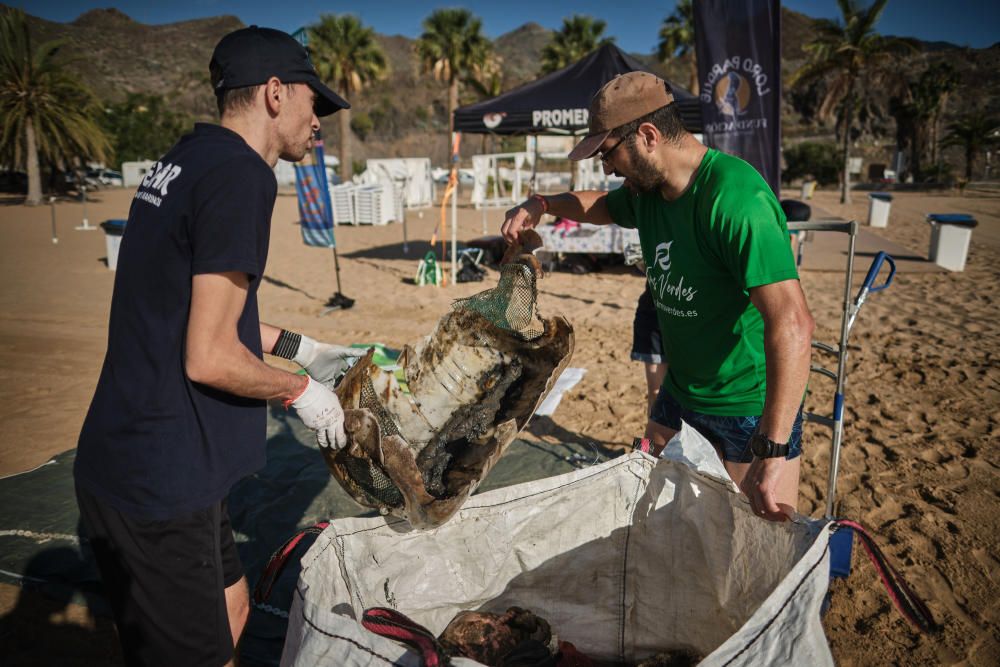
[{"x": 339, "y": 302}]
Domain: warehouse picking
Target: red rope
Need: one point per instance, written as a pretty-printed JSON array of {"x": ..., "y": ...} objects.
[{"x": 909, "y": 605}]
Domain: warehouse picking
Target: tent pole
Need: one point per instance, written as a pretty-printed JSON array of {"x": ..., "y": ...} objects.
[
  {"x": 456, "y": 137},
  {"x": 406, "y": 249},
  {"x": 534, "y": 165},
  {"x": 454, "y": 238},
  {"x": 492, "y": 166},
  {"x": 406, "y": 189}
]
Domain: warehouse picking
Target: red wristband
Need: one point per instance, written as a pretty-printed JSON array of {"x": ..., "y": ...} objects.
[{"x": 545, "y": 203}]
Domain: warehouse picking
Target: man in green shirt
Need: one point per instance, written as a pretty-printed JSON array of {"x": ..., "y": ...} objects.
[{"x": 735, "y": 325}]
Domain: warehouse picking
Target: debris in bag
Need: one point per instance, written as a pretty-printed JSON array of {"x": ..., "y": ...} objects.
[
  {"x": 520, "y": 638},
  {"x": 516, "y": 638},
  {"x": 676, "y": 658},
  {"x": 473, "y": 384}
]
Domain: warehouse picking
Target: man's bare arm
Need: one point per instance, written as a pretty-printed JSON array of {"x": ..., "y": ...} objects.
[
  {"x": 788, "y": 329},
  {"x": 585, "y": 206},
  {"x": 214, "y": 354}
]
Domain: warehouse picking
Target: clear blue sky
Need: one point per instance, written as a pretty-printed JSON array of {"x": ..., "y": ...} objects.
[{"x": 635, "y": 24}]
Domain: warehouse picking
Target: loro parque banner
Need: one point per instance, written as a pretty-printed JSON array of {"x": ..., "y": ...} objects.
[{"x": 738, "y": 45}]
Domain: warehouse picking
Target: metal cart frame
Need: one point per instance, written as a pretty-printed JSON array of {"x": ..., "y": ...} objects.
[{"x": 851, "y": 308}]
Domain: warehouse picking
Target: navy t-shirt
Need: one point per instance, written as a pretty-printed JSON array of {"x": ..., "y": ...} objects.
[{"x": 155, "y": 444}]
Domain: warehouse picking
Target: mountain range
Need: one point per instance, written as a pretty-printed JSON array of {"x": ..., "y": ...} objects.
[{"x": 115, "y": 55}]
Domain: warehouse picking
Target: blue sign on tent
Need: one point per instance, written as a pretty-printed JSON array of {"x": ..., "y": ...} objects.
[{"x": 315, "y": 207}]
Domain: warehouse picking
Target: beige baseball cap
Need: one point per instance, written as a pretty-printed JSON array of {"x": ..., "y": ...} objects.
[{"x": 621, "y": 100}]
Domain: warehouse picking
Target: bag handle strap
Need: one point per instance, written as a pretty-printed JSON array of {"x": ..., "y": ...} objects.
[
  {"x": 909, "y": 605},
  {"x": 279, "y": 558},
  {"x": 393, "y": 625}
]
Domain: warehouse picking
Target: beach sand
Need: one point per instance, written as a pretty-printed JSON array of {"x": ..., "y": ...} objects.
[{"x": 921, "y": 452}]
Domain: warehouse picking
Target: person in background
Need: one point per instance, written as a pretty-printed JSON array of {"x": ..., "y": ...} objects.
[
  {"x": 647, "y": 347},
  {"x": 734, "y": 322},
  {"x": 179, "y": 412}
]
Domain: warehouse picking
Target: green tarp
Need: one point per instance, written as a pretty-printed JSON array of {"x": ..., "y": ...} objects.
[{"x": 39, "y": 533}]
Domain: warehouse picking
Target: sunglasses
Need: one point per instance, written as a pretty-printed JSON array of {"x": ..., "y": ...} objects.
[{"x": 606, "y": 155}]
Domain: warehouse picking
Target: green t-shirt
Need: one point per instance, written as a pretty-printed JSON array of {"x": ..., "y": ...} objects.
[{"x": 703, "y": 252}]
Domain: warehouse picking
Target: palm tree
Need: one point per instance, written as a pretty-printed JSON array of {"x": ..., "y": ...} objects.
[
  {"x": 451, "y": 47},
  {"x": 46, "y": 113},
  {"x": 346, "y": 52},
  {"x": 938, "y": 82},
  {"x": 843, "y": 53},
  {"x": 486, "y": 80},
  {"x": 973, "y": 133},
  {"x": 677, "y": 40},
  {"x": 578, "y": 36},
  {"x": 918, "y": 110}
]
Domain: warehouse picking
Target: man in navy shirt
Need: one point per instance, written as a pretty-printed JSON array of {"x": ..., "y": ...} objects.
[{"x": 179, "y": 411}]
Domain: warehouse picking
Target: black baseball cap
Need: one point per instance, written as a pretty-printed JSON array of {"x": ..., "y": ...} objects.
[{"x": 251, "y": 56}]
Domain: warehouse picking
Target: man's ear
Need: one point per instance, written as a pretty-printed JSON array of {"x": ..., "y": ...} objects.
[
  {"x": 274, "y": 95},
  {"x": 650, "y": 135}
]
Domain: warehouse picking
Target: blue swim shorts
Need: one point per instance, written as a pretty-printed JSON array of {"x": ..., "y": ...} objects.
[{"x": 730, "y": 434}]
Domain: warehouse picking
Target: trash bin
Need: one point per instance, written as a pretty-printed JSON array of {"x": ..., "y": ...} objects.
[
  {"x": 950, "y": 236},
  {"x": 878, "y": 209},
  {"x": 808, "y": 187},
  {"x": 795, "y": 210},
  {"x": 113, "y": 230}
]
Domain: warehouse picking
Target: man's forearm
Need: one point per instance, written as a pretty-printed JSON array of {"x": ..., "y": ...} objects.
[
  {"x": 583, "y": 206},
  {"x": 236, "y": 370},
  {"x": 788, "y": 329},
  {"x": 787, "y": 350}
]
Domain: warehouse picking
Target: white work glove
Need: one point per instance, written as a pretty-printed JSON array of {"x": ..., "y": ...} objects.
[
  {"x": 326, "y": 363},
  {"x": 319, "y": 409}
]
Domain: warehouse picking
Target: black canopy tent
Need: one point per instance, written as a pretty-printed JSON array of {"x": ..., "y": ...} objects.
[{"x": 557, "y": 103}]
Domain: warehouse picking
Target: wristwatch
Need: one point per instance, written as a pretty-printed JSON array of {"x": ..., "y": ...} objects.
[{"x": 764, "y": 448}]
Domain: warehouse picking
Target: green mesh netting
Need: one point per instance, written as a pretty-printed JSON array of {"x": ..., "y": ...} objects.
[{"x": 512, "y": 304}]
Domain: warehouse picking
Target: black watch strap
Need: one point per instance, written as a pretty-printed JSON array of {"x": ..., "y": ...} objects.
[
  {"x": 777, "y": 450},
  {"x": 764, "y": 448}
]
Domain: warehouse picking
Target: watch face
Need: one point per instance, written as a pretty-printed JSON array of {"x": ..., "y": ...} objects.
[{"x": 759, "y": 446}]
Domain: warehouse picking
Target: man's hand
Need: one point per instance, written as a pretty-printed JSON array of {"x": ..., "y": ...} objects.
[
  {"x": 525, "y": 215},
  {"x": 319, "y": 409},
  {"x": 760, "y": 485},
  {"x": 326, "y": 363}
]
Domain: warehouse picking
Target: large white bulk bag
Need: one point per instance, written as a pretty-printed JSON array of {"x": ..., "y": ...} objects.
[{"x": 624, "y": 559}]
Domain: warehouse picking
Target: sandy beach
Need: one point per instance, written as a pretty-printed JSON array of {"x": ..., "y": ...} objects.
[{"x": 921, "y": 460}]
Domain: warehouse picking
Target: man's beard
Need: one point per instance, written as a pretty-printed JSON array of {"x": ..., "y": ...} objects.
[{"x": 644, "y": 177}]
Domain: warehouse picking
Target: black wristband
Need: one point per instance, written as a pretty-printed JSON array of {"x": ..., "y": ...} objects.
[{"x": 287, "y": 345}]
